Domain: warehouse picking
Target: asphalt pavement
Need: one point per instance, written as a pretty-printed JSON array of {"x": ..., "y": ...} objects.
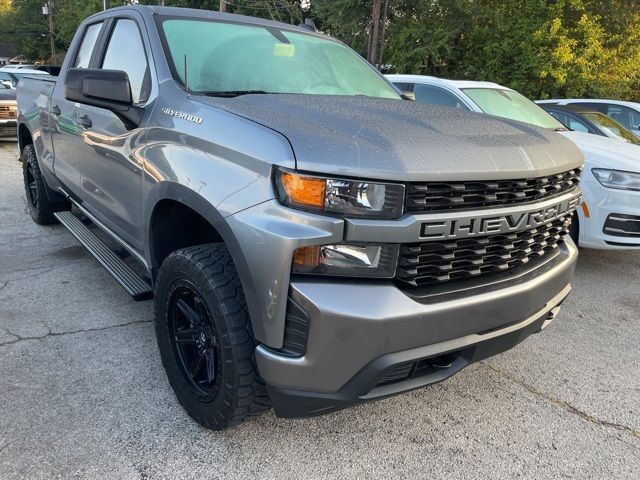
[{"x": 83, "y": 393}]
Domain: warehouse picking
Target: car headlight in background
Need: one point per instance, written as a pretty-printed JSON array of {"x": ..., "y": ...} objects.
[
  {"x": 373, "y": 261},
  {"x": 617, "y": 179},
  {"x": 351, "y": 198}
]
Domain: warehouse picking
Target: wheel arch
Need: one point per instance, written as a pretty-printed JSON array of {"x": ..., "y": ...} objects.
[
  {"x": 166, "y": 197},
  {"x": 24, "y": 137}
]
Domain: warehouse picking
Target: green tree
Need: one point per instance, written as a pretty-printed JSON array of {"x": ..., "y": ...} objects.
[
  {"x": 552, "y": 49},
  {"x": 28, "y": 28},
  {"x": 428, "y": 37},
  {"x": 543, "y": 48},
  {"x": 347, "y": 20}
]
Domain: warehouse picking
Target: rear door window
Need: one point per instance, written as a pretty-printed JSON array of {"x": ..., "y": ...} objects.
[
  {"x": 83, "y": 56},
  {"x": 624, "y": 115}
]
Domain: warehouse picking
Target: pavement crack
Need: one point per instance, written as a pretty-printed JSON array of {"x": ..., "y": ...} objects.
[
  {"x": 42, "y": 270},
  {"x": 564, "y": 404},
  {"x": 60, "y": 334}
]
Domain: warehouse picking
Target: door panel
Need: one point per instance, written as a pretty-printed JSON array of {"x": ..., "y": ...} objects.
[
  {"x": 65, "y": 136},
  {"x": 111, "y": 175},
  {"x": 63, "y": 118}
]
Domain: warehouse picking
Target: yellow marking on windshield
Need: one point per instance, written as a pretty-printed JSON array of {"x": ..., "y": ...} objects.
[{"x": 284, "y": 50}]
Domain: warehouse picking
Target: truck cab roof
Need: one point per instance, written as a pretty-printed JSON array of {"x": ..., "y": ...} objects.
[{"x": 152, "y": 10}]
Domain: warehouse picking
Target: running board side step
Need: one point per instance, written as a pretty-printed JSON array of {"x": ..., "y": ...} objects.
[{"x": 136, "y": 286}]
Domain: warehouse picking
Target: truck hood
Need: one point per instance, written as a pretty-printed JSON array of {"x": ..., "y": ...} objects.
[
  {"x": 402, "y": 140},
  {"x": 605, "y": 152}
]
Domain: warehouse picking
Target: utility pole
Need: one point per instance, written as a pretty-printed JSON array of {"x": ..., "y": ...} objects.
[
  {"x": 373, "y": 31},
  {"x": 223, "y": 6},
  {"x": 47, "y": 10},
  {"x": 384, "y": 27}
]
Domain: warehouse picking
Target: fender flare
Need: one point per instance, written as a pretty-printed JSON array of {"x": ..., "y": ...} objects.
[{"x": 189, "y": 198}]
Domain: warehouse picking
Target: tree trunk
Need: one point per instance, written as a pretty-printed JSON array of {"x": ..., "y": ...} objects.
[{"x": 373, "y": 31}]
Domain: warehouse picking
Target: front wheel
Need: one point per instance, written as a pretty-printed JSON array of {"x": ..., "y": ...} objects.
[{"x": 205, "y": 337}]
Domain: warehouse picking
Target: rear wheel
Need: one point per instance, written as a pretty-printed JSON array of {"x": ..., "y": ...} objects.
[
  {"x": 40, "y": 207},
  {"x": 205, "y": 337}
]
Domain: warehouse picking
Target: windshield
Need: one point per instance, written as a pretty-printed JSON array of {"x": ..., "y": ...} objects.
[
  {"x": 213, "y": 57},
  {"x": 611, "y": 127},
  {"x": 510, "y": 104}
]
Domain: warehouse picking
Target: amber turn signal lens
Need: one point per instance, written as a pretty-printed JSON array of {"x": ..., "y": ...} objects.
[
  {"x": 307, "y": 257},
  {"x": 304, "y": 190}
]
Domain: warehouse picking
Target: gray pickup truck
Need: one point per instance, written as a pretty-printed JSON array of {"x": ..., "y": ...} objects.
[{"x": 310, "y": 238}]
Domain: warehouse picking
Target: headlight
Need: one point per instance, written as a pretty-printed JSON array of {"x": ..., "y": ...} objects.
[
  {"x": 617, "y": 179},
  {"x": 348, "y": 197},
  {"x": 373, "y": 261}
]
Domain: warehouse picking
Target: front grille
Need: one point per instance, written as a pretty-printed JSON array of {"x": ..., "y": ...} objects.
[
  {"x": 432, "y": 196},
  {"x": 8, "y": 131},
  {"x": 7, "y": 112},
  {"x": 437, "y": 262}
]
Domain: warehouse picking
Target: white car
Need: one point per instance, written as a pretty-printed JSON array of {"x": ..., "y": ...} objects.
[
  {"x": 609, "y": 217},
  {"x": 16, "y": 66},
  {"x": 625, "y": 113}
]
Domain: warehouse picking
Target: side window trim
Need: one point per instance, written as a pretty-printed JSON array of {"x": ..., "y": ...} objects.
[{"x": 101, "y": 43}]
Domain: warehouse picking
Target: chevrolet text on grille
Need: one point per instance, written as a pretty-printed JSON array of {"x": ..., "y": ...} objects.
[{"x": 496, "y": 224}]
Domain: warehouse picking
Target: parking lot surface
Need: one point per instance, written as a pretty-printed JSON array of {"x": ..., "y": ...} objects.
[{"x": 83, "y": 393}]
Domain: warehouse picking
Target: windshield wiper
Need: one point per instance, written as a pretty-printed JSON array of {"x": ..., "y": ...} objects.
[{"x": 233, "y": 93}]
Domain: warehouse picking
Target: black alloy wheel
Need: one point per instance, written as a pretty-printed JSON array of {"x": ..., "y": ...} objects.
[
  {"x": 194, "y": 339},
  {"x": 205, "y": 337},
  {"x": 32, "y": 191}
]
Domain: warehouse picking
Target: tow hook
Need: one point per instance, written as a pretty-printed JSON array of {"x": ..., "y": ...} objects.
[{"x": 551, "y": 315}]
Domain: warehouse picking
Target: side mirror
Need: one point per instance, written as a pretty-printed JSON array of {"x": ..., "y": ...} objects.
[{"x": 108, "y": 89}]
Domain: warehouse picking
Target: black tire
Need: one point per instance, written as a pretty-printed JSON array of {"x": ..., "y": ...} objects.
[
  {"x": 203, "y": 282},
  {"x": 40, "y": 207},
  {"x": 574, "y": 228}
]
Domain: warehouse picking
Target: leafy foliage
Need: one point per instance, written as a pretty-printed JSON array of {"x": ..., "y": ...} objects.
[{"x": 543, "y": 48}]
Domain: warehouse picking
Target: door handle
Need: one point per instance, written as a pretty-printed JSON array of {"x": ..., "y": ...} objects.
[
  {"x": 55, "y": 110},
  {"x": 85, "y": 121}
]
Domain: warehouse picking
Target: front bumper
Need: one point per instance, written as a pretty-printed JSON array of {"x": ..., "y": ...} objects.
[
  {"x": 363, "y": 335},
  {"x": 8, "y": 128},
  {"x": 604, "y": 203}
]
